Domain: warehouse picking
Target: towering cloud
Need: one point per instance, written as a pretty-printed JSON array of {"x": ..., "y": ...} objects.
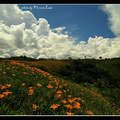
[
  {"x": 113, "y": 11},
  {"x": 10, "y": 14},
  {"x": 22, "y": 34}
]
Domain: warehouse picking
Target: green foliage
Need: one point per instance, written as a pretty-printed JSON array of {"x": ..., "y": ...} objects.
[
  {"x": 103, "y": 74},
  {"x": 91, "y": 80},
  {"x": 43, "y": 68}
]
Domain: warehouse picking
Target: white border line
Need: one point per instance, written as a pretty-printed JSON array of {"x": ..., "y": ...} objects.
[{"x": 59, "y": 115}]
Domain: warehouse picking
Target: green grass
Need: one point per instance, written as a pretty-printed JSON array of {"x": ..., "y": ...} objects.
[
  {"x": 100, "y": 75},
  {"x": 20, "y": 102}
]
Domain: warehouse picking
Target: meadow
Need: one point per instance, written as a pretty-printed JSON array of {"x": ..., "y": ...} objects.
[{"x": 59, "y": 87}]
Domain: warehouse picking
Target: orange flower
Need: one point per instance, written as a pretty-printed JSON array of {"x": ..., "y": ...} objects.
[
  {"x": 4, "y": 73},
  {"x": 69, "y": 96},
  {"x": 74, "y": 99},
  {"x": 1, "y": 95},
  {"x": 77, "y": 106},
  {"x": 49, "y": 86},
  {"x": 77, "y": 103},
  {"x": 2, "y": 87},
  {"x": 24, "y": 72},
  {"x": 50, "y": 77},
  {"x": 62, "y": 81},
  {"x": 31, "y": 92},
  {"x": 70, "y": 100},
  {"x": 89, "y": 112},
  {"x": 60, "y": 86},
  {"x": 59, "y": 95},
  {"x": 56, "y": 87},
  {"x": 8, "y": 85},
  {"x": 64, "y": 91},
  {"x": 23, "y": 84},
  {"x": 68, "y": 113},
  {"x": 55, "y": 80},
  {"x": 30, "y": 87},
  {"x": 54, "y": 106},
  {"x": 59, "y": 92},
  {"x": 34, "y": 107},
  {"x": 39, "y": 85},
  {"x": 58, "y": 81},
  {"x": 78, "y": 98},
  {"x": 68, "y": 106},
  {"x": 7, "y": 93},
  {"x": 64, "y": 101}
]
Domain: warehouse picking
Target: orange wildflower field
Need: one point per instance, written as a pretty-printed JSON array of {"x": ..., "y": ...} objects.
[{"x": 28, "y": 90}]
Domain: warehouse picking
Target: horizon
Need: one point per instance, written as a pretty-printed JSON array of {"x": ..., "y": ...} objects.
[{"x": 85, "y": 58}]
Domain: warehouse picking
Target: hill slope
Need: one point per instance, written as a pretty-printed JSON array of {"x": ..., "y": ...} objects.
[
  {"x": 101, "y": 76},
  {"x": 25, "y": 89}
]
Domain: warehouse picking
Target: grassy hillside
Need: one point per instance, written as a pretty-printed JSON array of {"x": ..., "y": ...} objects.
[{"x": 59, "y": 87}]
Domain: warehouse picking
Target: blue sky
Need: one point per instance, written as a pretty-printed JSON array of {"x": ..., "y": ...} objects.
[
  {"x": 81, "y": 21},
  {"x": 40, "y": 31}
]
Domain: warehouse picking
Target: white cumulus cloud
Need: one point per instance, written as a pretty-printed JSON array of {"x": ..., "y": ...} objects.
[
  {"x": 113, "y": 11},
  {"x": 22, "y": 34},
  {"x": 59, "y": 29}
]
